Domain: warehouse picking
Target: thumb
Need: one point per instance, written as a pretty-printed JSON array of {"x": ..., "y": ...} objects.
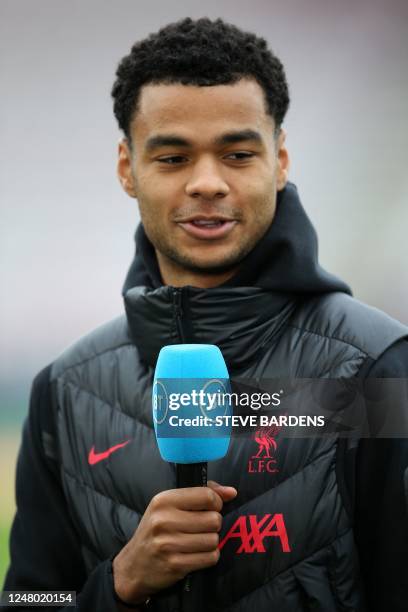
[{"x": 226, "y": 493}]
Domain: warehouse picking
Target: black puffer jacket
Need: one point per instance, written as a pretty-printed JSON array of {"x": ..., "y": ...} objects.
[{"x": 294, "y": 322}]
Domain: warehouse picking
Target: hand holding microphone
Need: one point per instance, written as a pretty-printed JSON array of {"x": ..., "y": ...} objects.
[{"x": 178, "y": 534}]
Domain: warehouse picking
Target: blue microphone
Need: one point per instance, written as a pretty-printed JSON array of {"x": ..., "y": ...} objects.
[
  {"x": 191, "y": 406},
  {"x": 191, "y": 400}
]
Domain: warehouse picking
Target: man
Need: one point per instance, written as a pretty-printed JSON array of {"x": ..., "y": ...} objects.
[{"x": 225, "y": 255}]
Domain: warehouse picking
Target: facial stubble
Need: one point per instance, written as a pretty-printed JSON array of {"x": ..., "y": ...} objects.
[{"x": 229, "y": 262}]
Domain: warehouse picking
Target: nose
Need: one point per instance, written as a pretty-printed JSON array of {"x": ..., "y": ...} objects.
[{"x": 206, "y": 181}]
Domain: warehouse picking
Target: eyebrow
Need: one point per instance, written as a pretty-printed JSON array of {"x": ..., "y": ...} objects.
[
  {"x": 166, "y": 140},
  {"x": 239, "y": 136},
  {"x": 173, "y": 140}
]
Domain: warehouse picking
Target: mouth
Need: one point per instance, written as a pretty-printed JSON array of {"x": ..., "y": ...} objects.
[{"x": 207, "y": 228}]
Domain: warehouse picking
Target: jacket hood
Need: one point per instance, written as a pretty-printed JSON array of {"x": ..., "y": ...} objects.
[
  {"x": 243, "y": 315},
  {"x": 284, "y": 260}
]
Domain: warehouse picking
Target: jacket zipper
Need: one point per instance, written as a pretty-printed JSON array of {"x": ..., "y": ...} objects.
[{"x": 178, "y": 310}]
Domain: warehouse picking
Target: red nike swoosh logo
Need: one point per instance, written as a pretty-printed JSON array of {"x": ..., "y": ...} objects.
[{"x": 94, "y": 457}]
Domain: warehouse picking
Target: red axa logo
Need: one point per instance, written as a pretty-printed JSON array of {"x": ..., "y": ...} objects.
[
  {"x": 252, "y": 533},
  {"x": 264, "y": 459}
]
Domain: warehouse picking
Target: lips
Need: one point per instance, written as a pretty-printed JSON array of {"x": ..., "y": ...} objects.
[{"x": 208, "y": 228}]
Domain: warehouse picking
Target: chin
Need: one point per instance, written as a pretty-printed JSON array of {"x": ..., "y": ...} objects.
[
  {"x": 210, "y": 265},
  {"x": 223, "y": 255}
]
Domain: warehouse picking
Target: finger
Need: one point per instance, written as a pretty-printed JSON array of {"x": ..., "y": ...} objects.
[
  {"x": 188, "y": 543},
  {"x": 194, "y": 498},
  {"x": 190, "y": 562},
  {"x": 199, "y": 521},
  {"x": 225, "y": 492}
]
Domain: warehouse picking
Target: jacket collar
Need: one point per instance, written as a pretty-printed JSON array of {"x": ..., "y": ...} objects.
[{"x": 239, "y": 320}]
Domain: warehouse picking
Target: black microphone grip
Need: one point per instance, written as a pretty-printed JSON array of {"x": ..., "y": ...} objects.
[
  {"x": 192, "y": 587},
  {"x": 191, "y": 475}
]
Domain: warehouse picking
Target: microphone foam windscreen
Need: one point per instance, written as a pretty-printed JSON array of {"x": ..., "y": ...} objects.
[{"x": 191, "y": 403}]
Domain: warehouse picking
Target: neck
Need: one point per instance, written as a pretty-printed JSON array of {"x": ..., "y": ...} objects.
[{"x": 177, "y": 276}]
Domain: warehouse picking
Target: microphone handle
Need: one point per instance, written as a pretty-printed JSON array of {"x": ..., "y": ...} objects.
[
  {"x": 192, "y": 587},
  {"x": 191, "y": 475}
]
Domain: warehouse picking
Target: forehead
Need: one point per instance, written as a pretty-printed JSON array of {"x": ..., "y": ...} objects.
[{"x": 195, "y": 111}]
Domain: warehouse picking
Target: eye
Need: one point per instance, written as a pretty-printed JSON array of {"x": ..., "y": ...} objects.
[
  {"x": 172, "y": 159},
  {"x": 241, "y": 155}
]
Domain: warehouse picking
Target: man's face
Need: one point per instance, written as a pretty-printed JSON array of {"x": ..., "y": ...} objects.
[{"x": 205, "y": 167}]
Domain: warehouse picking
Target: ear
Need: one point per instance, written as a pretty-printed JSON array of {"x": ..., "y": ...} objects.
[
  {"x": 124, "y": 168},
  {"x": 283, "y": 161}
]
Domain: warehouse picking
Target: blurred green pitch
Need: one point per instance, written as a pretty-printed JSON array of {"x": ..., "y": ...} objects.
[{"x": 9, "y": 444}]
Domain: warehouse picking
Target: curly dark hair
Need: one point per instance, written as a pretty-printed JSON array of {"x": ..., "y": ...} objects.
[{"x": 198, "y": 52}]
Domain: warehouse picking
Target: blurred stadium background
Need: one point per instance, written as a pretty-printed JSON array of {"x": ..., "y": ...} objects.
[{"x": 66, "y": 230}]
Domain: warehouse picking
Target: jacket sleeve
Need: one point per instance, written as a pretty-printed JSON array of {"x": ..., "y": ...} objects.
[
  {"x": 381, "y": 511},
  {"x": 44, "y": 546}
]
